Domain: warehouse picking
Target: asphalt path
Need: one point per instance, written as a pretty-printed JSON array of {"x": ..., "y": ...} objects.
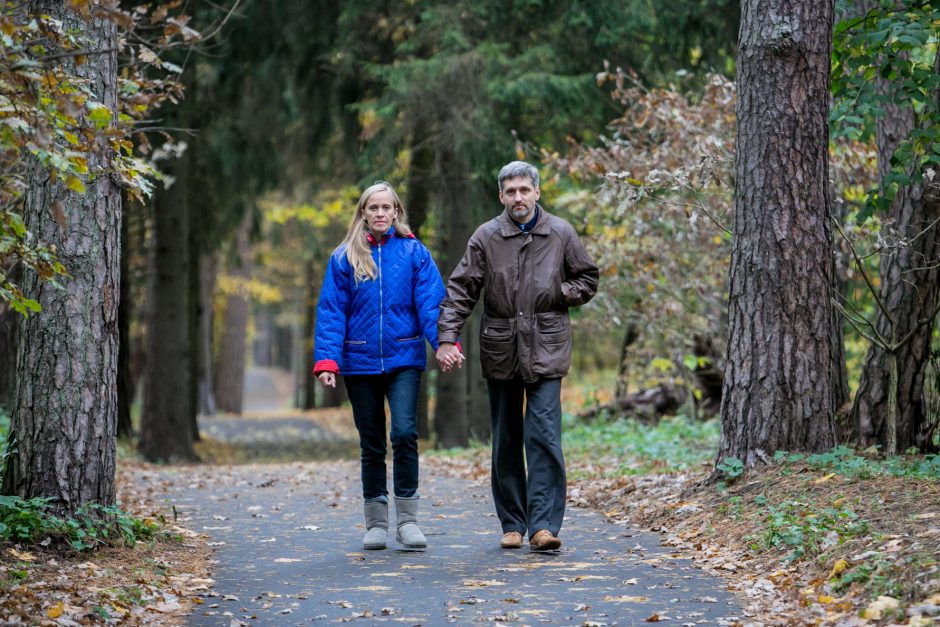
[{"x": 288, "y": 543}]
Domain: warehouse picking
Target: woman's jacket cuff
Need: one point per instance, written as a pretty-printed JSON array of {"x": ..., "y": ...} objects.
[{"x": 326, "y": 365}]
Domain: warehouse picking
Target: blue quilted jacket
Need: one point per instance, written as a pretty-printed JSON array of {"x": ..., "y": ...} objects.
[{"x": 379, "y": 325}]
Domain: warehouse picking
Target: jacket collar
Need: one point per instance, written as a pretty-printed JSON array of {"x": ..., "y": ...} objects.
[
  {"x": 508, "y": 227},
  {"x": 388, "y": 234}
]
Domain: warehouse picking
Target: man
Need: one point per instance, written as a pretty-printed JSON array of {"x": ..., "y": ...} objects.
[{"x": 531, "y": 267}]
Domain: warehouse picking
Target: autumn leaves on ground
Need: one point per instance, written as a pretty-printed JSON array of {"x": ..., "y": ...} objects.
[{"x": 828, "y": 539}]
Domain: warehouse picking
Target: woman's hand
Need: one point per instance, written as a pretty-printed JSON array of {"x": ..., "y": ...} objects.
[
  {"x": 449, "y": 356},
  {"x": 327, "y": 379}
]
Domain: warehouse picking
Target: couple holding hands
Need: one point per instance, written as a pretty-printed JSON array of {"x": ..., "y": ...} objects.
[{"x": 383, "y": 296}]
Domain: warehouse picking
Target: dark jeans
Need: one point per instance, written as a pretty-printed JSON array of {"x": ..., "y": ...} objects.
[
  {"x": 529, "y": 491},
  {"x": 367, "y": 393}
]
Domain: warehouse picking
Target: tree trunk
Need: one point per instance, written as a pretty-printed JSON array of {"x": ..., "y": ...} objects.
[
  {"x": 841, "y": 396},
  {"x": 909, "y": 291},
  {"x": 207, "y": 405},
  {"x": 479, "y": 423},
  {"x": 8, "y": 322},
  {"x": 310, "y": 381},
  {"x": 777, "y": 386},
  {"x": 125, "y": 384},
  {"x": 230, "y": 370},
  {"x": 451, "y": 420},
  {"x": 419, "y": 204},
  {"x": 631, "y": 334},
  {"x": 65, "y": 400},
  {"x": 168, "y": 413}
]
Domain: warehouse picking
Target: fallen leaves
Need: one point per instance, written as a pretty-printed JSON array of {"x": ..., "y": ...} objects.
[
  {"x": 879, "y": 607},
  {"x": 482, "y": 583}
]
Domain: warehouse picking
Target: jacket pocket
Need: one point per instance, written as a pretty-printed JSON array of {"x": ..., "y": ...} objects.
[
  {"x": 408, "y": 339},
  {"x": 552, "y": 356},
  {"x": 553, "y": 327},
  {"x": 498, "y": 348}
]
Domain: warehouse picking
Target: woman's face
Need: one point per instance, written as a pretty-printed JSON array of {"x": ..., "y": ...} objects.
[{"x": 380, "y": 212}]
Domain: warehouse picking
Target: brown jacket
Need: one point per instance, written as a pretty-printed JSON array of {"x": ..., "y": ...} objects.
[{"x": 529, "y": 280}]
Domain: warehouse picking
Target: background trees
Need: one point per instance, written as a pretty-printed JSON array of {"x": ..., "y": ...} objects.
[{"x": 629, "y": 109}]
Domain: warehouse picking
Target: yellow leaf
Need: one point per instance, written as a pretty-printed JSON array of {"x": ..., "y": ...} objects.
[
  {"x": 23, "y": 556},
  {"x": 838, "y": 568},
  {"x": 56, "y": 610},
  {"x": 75, "y": 184},
  {"x": 717, "y": 239},
  {"x": 826, "y": 599},
  {"x": 826, "y": 478}
]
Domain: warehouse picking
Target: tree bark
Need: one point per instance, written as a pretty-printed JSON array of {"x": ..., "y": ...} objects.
[
  {"x": 168, "y": 413},
  {"x": 841, "y": 395},
  {"x": 65, "y": 400},
  {"x": 419, "y": 205},
  {"x": 125, "y": 383},
  {"x": 909, "y": 291},
  {"x": 451, "y": 419},
  {"x": 8, "y": 322},
  {"x": 230, "y": 370},
  {"x": 777, "y": 386},
  {"x": 207, "y": 405},
  {"x": 630, "y": 335}
]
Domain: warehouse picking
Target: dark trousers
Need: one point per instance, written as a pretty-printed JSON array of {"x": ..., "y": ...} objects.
[
  {"x": 529, "y": 491},
  {"x": 367, "y": 393}
]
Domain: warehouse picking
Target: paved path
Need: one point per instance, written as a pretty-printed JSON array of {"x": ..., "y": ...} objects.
[
  {"x": 288, "y": 547},
  {"x": 288, "y": 543}
]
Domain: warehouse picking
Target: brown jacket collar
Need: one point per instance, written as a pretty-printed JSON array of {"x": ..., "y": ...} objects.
[{"x": 509, "y": 227}]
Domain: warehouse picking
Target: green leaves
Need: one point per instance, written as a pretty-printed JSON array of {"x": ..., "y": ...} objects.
[
  {"x": 94, "y": 525},
  {"x": 50, "y": 112},
  {"x": 885, "y": 57}
]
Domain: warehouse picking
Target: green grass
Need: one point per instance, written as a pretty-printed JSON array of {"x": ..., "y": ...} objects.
[
  {"x": 846, "y": 462},
  {"x": 673, "y": 444}
]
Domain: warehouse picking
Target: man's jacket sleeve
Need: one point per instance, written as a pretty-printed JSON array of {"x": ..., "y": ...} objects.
[
  {"x": 332, "y": 310},
  {"x": 581, "y": 273},
  {"x": 428, "y": 293},
  {"x": 463, "y": 292}
]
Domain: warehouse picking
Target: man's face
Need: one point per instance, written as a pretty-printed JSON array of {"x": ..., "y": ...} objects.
[{"x": 519, "y": 196}]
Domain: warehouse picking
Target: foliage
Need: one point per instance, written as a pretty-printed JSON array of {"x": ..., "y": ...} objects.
[
  {"x": 659, "y": 220},
  {"x": 51, "y": 116},
  {"x": 846, "y": 462},
  {"x": 657, "y": 225},
  {"x": 92, "y": 526},
  {"x": 806, "y": 531},
  {"x": 672, "y": 444},
  {"x": 895, "y": 41}
]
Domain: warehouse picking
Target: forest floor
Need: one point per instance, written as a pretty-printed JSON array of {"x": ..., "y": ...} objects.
[
  {"x": 801, "y": 546},
  {"x": 801, "y": 543}
]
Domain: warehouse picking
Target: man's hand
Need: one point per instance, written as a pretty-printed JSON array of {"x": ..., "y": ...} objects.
[
  {"x": 327, "y": 379},
  {"x": 448, "y": 356}
]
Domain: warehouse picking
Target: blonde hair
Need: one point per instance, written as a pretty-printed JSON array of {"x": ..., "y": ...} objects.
[{"x": 358, "y": 249}]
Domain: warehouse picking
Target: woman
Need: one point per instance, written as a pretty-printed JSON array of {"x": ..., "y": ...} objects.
[{"x": 378, "y": 304}]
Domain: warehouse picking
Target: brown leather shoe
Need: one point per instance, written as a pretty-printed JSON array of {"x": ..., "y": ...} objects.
[
  {"x": 544, "y": 541},
  {"x": 511, "y": 540}
]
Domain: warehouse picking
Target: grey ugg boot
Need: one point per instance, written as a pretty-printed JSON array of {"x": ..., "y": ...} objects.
[
  {"x": 409, "y": 535},
  {"x": 376, "y": 511}
]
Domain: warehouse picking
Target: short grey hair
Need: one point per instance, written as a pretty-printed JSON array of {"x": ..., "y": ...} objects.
[{"x": 518, "y": 168}]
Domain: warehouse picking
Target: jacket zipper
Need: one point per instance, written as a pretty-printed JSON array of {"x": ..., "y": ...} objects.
[{"x": 381, "y": 314}]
